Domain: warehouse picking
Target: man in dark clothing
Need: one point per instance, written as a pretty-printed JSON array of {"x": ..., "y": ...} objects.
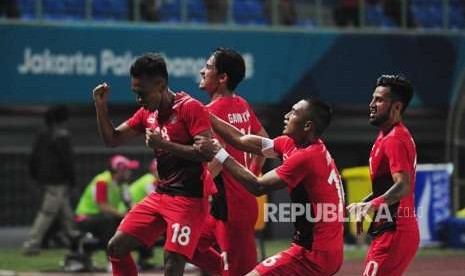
[{"x": 51, "y": 165}]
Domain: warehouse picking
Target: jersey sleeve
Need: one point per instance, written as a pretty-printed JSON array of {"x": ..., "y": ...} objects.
[
  {"x": 136, "y": 122},
  {"x": 294, "y": 169},
  {"x": 279, "y": 143},
  {"x": 397, "y": 154},
  {"x": 196, "y": 116},
  {"x": 101, "y": 192}
]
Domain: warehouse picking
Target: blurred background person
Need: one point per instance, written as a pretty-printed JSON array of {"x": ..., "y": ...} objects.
[
  {"x": 148, "y": 10},
  {"x": 346, "y": 13},
  {"x": 145, "y": 184},
  {"x": 217, "y": 10},
  {"x": 102, "y": 205},
  {"x": 51, "y": 166},
  {"x": 286, "y": 12}
]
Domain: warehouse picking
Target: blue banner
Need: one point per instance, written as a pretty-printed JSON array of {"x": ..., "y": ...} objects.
[
  {"x": 50, "y": 64},
  {"x": 432, "y": 200}
]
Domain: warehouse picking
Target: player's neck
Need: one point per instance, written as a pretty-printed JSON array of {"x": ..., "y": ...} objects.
[
  {"x": 167, "y": 101},
  {"x": 305, "y": 141},
  {"x": 389, "y": 125},
  {"x": 222, "y": 93}
]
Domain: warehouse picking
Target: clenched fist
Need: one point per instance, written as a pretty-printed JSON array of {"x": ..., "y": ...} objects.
[{"x": 100, "y": 93}]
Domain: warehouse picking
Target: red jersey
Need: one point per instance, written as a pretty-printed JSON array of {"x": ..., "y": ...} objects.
[
  {"x": 188, "y": 118},
  {"x": 313, "y": 180},
  {"x": 233, "y": 198},
  {"x": 392, "y": 153}
]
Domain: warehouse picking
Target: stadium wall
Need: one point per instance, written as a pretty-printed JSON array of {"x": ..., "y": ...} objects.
[{"x": 61, "y": 63}]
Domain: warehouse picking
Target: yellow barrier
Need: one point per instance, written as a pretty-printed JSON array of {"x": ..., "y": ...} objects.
[
  {"x": 358, "y": 186},
  {"x": 260, "y": 223}
]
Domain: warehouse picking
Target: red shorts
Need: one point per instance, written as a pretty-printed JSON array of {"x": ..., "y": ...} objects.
[
  {"x": 236, "y": 240},
  {"x": 391, "y": 253},
  {"x": 298, "y": 261},
  {"x": 180, "y": 217}
]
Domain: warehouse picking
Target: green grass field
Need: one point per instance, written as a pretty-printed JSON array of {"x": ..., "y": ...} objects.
[{"x": 49, "y": 260}]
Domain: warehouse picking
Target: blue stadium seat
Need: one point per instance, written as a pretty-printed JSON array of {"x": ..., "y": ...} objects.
[
  {"x": 27, "y": 8},
  {"x": 110, "y": 9},
  {"x": 196, "y": 11},
  {"x": 428, "y": 13},
  {"x": 75, "y": 9},
  {"x": 170, "y": 11},
  {"x": 457, "y": 14},
  {"x": 53, "y": 10},
  {"x": 374, "y": 15},
  {"x": 249, "y": 12}
]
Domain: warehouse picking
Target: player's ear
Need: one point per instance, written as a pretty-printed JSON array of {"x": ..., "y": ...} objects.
[
  {"x": 308, "y": 125},
  {"x": 398, "y": 106},
  {"x": 224, "y": 78}
]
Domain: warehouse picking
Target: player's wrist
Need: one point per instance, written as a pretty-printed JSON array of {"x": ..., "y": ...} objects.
[
  {"x": 221, "y": 155},
  {"x": 377, "y": 202}
]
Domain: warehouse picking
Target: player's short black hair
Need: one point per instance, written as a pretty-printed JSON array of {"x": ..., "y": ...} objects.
[
  {"x": 230, "y": 62},
  {"x": 56, "y": 114},
  {"x": 401, "y": 89},
  {"x": 150, "y": 65},
  {"x": 320, "y": 113}
]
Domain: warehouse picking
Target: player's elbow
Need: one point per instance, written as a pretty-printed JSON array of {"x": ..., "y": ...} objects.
[{"x": 257, "y": 190}]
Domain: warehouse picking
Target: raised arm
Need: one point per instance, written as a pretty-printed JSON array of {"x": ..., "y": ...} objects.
[{"x": 111, "y": 136}]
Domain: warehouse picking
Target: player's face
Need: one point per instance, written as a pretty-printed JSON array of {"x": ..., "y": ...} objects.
[
  {"x": 296, "y": 119},
  {"x": 210, "y": 80},
  {"x": 380, "y": 106},
  {"x": 148, "y": 92}
]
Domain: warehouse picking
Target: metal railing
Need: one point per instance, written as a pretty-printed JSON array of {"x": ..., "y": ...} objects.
[{"x": 393, "y": 14}]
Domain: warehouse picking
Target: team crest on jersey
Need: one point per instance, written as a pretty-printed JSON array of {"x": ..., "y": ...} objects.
[{"x": 151, "y": 120}]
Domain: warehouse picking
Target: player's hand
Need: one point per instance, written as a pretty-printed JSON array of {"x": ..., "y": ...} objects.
[
  {"x": 153, "y": 138},
  {"x": 100, "y": 93},
  {"x": 360, "y": 211},
  {"x": 207, "y": 146}
]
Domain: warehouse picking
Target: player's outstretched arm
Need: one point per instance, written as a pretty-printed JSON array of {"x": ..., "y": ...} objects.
[
  {"x": 154, "y": 139},
  {"x": 254, "y": 185},
  {"x": 111, "y": 136},
  {"x": 234, "y": 137},
  {"x": 259, "y": 160}
]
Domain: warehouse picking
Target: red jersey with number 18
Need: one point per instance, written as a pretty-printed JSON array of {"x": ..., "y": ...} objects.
[{"x": 187, "y": 118}]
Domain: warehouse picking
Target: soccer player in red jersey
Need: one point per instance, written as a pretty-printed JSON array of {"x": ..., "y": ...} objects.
[
  {"x": 170, "y": 122},
  {"x": 311, "y": 178},
  {"x": 393, "y": 158},
  {"x": 233, "y": 210}
]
